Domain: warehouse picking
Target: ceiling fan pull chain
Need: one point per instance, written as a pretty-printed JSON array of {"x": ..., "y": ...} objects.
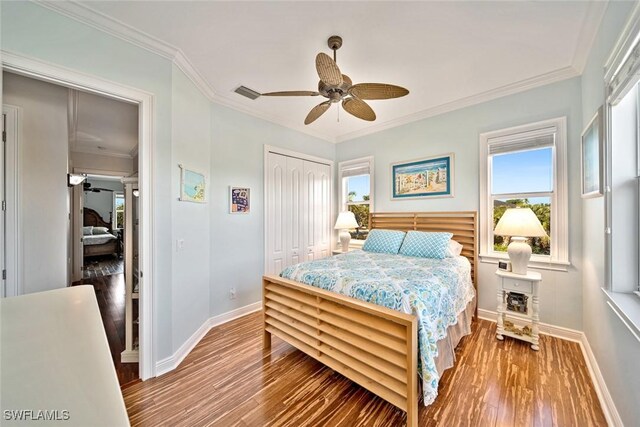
[{"x": 338, "y": 112}]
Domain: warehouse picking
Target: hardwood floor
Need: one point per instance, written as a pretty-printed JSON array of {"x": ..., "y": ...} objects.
[
  {"x": 110, "y": 293},
  {"x": 103, "y": 265},
  {"x": 228, "y": 380}
]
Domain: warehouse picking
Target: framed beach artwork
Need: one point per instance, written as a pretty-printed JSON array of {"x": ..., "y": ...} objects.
[
  {"x": 592, "y": 157},
  {"x": 192, "y": 186},
  {"x": 239, "y": 200},
  {"x": 429, "y": 177}
]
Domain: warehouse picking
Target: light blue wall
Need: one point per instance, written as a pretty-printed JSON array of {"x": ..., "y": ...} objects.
[
  {"x": 34, "y": 31},
  {"x": 237, "y": 240},
  {"x": 615, "y": 349},
  {"x": 190, "y": 146},
  {"x": 458, "y": 132}
]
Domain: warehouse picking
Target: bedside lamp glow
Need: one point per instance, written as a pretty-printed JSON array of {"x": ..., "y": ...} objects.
[
  {"x": 346, "y": 221},
  {"x": 519, "y": 223}
]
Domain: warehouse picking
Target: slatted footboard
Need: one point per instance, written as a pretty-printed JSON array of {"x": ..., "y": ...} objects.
[{"x": 371, "y": 345}]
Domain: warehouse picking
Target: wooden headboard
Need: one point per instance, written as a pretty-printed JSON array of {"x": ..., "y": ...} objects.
[
  {"x": 93, "y": 218},
  {"x": 463, "y": 225}
]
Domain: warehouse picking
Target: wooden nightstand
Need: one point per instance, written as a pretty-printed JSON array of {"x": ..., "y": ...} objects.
[{"x": 518, "y": 301}]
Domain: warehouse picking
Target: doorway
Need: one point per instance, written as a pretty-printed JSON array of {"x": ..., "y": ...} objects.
[{"x": 60, "y": 76}]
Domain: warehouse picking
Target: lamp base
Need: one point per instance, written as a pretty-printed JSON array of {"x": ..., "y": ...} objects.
[
  {"x": 345, "y": 238},
  {"x": 519, "y": 254}
]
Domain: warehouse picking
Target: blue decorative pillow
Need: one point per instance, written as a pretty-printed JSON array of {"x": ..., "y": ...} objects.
[
  {"x": 426, "y": 244},
  {"x": 384, "y": 241}
]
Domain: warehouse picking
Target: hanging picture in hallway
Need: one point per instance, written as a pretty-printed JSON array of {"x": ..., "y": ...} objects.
[{"x": 239, "y": 200}]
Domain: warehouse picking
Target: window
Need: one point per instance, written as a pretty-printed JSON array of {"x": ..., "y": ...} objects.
[
  {"x": 625, "y": 190},
  {"x": 525, "y": 166},
  {"x": 118, "y": 207},
  {"x": 357, "y": 193}
]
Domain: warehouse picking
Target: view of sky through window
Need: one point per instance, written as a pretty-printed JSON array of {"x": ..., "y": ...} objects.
[
  {"x": 360, "y": 185},
  {"x": 523, "y": 172}
]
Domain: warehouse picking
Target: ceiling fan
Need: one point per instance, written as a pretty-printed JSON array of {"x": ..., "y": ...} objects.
[
  {"x": 87, "y": 187},
  {"x": 338, "y": 87}
]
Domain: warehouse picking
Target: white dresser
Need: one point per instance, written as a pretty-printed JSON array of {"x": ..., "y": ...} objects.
[{"x": 55, "y": 363}]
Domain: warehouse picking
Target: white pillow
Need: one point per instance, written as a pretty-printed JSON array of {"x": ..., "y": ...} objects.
[
  {"x": 87, "y": 231},
  {"x": 100, "y": 230},
  {"x": 454, "y": 249}
]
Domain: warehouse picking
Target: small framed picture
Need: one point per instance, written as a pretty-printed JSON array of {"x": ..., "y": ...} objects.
[
  {"x": 192, "y": 186},
  {"x": 239, "y": 200},
  {"x": 592, "y": 157},
  {"x": 429, "y": 177}
]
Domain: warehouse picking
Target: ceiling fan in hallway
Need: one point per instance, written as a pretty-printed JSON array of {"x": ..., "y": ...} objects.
[
  {"x": 337, "y": 87},
  {"x": 87, "y": 187}
]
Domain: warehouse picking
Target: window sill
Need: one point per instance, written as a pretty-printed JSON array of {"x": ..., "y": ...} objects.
[
  {"x": 627, "y": 307},
  {"x": 535, "y": 264}
]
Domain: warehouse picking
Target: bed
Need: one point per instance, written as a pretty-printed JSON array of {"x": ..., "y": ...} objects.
[
  {"x": 101, "y": 244},
  {"x": 374, "y": 345}
]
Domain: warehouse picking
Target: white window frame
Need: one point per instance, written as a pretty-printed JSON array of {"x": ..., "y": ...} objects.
[
  {"x": 350, "y": 164},
  {"x": 116, "y": 194},
  {"x": 559, "y": 258}
]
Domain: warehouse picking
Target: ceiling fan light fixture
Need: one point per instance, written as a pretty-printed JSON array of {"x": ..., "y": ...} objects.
[{"x": 337, "y": 87}]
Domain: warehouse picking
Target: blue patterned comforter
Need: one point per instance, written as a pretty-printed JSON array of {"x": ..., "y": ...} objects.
[{"x": 436, "y": 291}]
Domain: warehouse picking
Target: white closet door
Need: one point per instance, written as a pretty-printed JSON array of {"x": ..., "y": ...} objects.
[
  {"x": 277, "y": 208},
  {"x": 294, "y": 211},
  {"x": 316, "y": 208}
]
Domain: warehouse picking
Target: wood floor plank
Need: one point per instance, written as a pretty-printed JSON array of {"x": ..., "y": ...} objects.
[{"x": 229, "y": 380}]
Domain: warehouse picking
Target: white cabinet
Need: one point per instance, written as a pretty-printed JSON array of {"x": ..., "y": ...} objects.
[
  {"x": 298, "y": 211},
  {"x": 518, "y": 306}
]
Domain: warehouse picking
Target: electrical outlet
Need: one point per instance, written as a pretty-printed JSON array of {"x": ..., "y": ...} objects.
[
  {"x": 179, "y": 245},
  {"x": 232, "y": 293}
]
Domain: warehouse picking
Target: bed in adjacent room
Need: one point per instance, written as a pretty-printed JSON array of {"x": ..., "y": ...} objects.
[
  {"x": 382, "y": 318},
  {"x": 98, "y": 238}
]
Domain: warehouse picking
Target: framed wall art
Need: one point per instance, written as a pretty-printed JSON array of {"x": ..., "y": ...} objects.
[
  {"x": 239, "y": 200},
  {"x": 592, "y": 152},
  {"x": 428, "y": 177},
  {"x": 192, "y": 186}
]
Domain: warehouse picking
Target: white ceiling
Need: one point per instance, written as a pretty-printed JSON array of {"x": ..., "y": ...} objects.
[
  {"x": 448, "y": 54},
  {"x": 105, "y": 126}
]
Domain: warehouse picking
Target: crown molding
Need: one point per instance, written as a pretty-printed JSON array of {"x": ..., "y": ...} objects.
[
  {"x": 116, "y": 28},
  {"x": 588, "y": 33},
  {"x": 510, "y": 89},
  {"x": 109, "y": 25}
]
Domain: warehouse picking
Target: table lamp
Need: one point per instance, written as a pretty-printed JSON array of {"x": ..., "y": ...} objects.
[
  {"x": 346, "y": 221},
  {"x": 519, "y": 223}
]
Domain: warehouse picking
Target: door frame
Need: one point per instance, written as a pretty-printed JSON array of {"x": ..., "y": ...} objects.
[
  {"x": 267, "y": 208},
  {"x": 56, "y": 74}
]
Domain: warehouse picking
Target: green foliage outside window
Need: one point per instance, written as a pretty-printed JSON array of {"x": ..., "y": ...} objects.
[
  {"x": 361, "y": 212},
  {"x": 539, "y": 245}
]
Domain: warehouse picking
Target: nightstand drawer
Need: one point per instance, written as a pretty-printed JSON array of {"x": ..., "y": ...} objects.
[{"x": 517, "y": 285}]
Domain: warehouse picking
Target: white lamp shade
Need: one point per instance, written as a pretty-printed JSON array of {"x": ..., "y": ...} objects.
[
  {"x": 346, "y": 220},
  {"x": 519, "y": 222}
]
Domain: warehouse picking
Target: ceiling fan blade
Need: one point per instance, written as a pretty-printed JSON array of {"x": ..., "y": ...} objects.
[
  {"x": 292, "y": 93},
  {"x": 316, "y": 112},
  {"x": 360, "y": 109},
  {"x": 377, "y": 91},
  {"x": 328, "y": 70},
  {"x": 346, "y": 80}
]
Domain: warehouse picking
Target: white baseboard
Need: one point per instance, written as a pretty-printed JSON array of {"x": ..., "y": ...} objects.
[
  {"x": 172, "y": 362},
  {"x": 606, "y": 402}
]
